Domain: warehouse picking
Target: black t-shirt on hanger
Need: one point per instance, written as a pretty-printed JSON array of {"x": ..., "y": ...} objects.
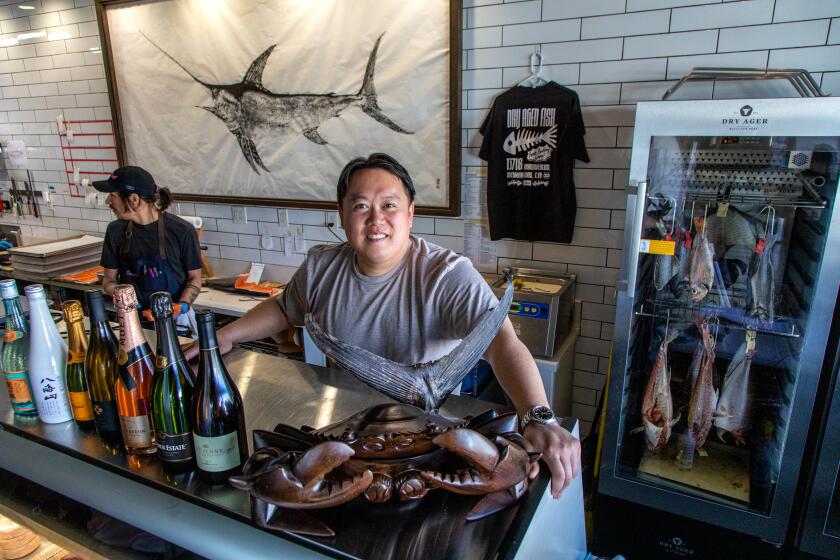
[{"x": 531, "y": 138}]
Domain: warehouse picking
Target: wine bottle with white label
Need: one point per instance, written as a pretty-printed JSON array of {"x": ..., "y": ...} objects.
[
  {"x": 47, "y": 360},
  {"x": 172, "y": 390},
  {"x": 134, "y": 380},
  {"x": 221, "y": 445},
  {"x": 77, "y": 345}
]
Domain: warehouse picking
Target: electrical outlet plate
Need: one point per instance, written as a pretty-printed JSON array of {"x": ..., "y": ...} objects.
[
  {"x": 240, "y": 216},
  {"x": 332, "y": 218}
]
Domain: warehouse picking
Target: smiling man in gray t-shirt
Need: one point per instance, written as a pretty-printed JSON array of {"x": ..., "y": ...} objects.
[
  {"x": 407, "y": 300},
  {"x": 416, "y": 312}
]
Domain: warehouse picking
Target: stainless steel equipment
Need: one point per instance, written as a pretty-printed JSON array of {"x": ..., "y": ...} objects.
[
  {"x": 732, "y": 230},
  {"x": 542, "y": 307},
  {"x": 819, "y": 530}
]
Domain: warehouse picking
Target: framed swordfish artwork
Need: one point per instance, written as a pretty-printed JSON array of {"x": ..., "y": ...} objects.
[{"x": 264, "y": 101}]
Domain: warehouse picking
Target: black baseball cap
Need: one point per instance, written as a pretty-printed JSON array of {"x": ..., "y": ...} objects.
[{"x": 130, "y": 179}]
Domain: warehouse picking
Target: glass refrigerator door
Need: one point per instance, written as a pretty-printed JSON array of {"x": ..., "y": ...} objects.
[
  {"x": 821, "y": 529},
  {"x": 731, "y": 233}
]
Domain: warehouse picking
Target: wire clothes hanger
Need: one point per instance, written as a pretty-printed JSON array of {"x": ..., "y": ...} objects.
[{"x": 535, "y": 79}]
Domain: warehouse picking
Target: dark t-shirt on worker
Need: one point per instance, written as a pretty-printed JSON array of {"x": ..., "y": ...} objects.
[
  {"x": 182, "y": 250},
  {"x": 531, "y": 138}
]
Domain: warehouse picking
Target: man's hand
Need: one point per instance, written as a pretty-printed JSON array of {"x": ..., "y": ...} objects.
[
  {"x": 560, "y": 451},
  {"x": 191, "y": 350}
]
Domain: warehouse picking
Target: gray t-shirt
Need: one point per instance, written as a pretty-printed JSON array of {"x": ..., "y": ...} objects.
[{"x": 415, "y": 313}]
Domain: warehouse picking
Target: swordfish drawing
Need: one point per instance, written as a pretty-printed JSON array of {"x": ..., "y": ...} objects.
[{"x": 248, "y": 109}]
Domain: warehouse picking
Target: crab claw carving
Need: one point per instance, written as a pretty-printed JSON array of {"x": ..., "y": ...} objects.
[
  {"x": 493, "y": 466},
  {"x": 296, "y": 481}
]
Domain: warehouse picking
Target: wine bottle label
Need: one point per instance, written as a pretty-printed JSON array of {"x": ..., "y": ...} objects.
[
  {"x": 217, "y": 454},
  {"x": 136, "y": 431},
  {"x": 82, "y": 408},
  {"x": 18, "y": 386},
  {"x": 51, "y": 400},
  {"x": 105, "y": 416},
  {"x": 162, "y": 361},
  {"x": 75, "y": 357},
  {"x": 125, "y": 361},
  {"x": 177, "y": 448},
  {"x": 11, "y": 335}
]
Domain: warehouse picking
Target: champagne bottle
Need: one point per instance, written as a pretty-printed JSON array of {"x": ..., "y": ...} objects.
[
  {"x": 221, "y": 445},
  {"x": 134, "y": 382},
  {"x": 47, "y": 360},
  {"x": 101, "y": 371},
  {"x": 15, "y": 349},
  {"x": 75, "y": 373},
  {"x": 172, "y": 391}
]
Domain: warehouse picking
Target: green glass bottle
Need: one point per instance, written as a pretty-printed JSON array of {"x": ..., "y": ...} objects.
[
  {"x": 15, "y": 351},
  {"x": 77, "y": 344},
  {"x": 172, "y": 391},
  {"x": 101, "y": 371},
  {"x": 219, "y": 434}
]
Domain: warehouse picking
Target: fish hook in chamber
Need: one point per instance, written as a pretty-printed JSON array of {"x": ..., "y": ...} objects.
[{"x": 770, "y": 224}]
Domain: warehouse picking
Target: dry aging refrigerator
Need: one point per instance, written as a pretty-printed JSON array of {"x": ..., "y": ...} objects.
[{"x": 724, "y": 303}]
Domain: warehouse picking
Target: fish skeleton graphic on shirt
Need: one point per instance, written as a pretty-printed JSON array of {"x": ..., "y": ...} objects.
[{"x": 523, "y": 139}]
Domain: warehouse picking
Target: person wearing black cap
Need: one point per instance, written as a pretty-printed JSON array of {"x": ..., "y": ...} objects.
[{"x": 146, "y": 246}]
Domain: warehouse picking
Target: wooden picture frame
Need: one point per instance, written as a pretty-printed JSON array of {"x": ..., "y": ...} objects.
[{"x": 434, "y": 165}]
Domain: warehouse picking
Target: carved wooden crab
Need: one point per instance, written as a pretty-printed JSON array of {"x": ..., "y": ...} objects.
[{"x": 384, "y": 452}]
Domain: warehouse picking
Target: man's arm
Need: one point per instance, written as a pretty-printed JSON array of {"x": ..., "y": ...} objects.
[
  {"x": 266, "y": 319},
  {"x": 517, "y": 373},
  {"x": 109, "y": 281},
  {"x": 192, "y": 287}
]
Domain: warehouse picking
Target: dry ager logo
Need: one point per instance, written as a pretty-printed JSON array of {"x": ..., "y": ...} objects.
[
  {"x": 677, "y": 547},
  {"x": 744, "y": 119}
]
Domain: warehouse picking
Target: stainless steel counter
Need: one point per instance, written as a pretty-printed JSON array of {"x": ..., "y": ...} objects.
[{"x": 215, "y": 521}]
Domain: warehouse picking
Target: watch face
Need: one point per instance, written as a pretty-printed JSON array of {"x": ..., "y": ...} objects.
[{"x": 542, "y": 414}]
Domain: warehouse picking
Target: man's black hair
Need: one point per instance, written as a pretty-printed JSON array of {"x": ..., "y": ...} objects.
[{"x": 374, "y": 161}]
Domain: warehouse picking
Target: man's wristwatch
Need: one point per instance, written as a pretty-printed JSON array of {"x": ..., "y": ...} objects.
[{"x": 539, "y": 414}]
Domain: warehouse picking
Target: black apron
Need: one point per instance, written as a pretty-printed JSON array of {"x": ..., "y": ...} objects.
[{"x": 148, "y": 274}]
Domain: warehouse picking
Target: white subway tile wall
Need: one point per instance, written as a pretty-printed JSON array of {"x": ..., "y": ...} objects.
[{"x": 614, "y": 53}]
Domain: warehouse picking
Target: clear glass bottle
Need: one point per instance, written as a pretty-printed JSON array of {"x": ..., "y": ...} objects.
[
  {"x": 77, "y": 344},
  {"x": 15, "y": 352},
  {"x": 172, "y": 391},
  {"x": 134, "y": 382},
  {"x": 47, "y": 360}
]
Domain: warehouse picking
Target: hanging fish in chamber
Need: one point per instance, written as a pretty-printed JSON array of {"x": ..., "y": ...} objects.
[
  {"x": 704, "y": 396},
  {"x": 665, "y": 267},
  {"x": 682, "y": 282},
  {"x": 702, "y": 274},
  {"x": 734, "y": 409},
  {"x": 658, "y": 405},
  {"x": 761, "y": 288}
]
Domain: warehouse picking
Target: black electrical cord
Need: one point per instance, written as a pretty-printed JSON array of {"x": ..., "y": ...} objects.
[{"x": 330, "y": 226}]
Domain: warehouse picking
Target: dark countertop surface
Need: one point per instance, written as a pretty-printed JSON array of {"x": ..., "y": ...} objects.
[{"x": 278, "y": 390}]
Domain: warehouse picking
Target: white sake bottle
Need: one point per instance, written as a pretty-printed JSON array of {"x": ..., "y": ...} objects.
[{"x": 47, "y": 360}]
